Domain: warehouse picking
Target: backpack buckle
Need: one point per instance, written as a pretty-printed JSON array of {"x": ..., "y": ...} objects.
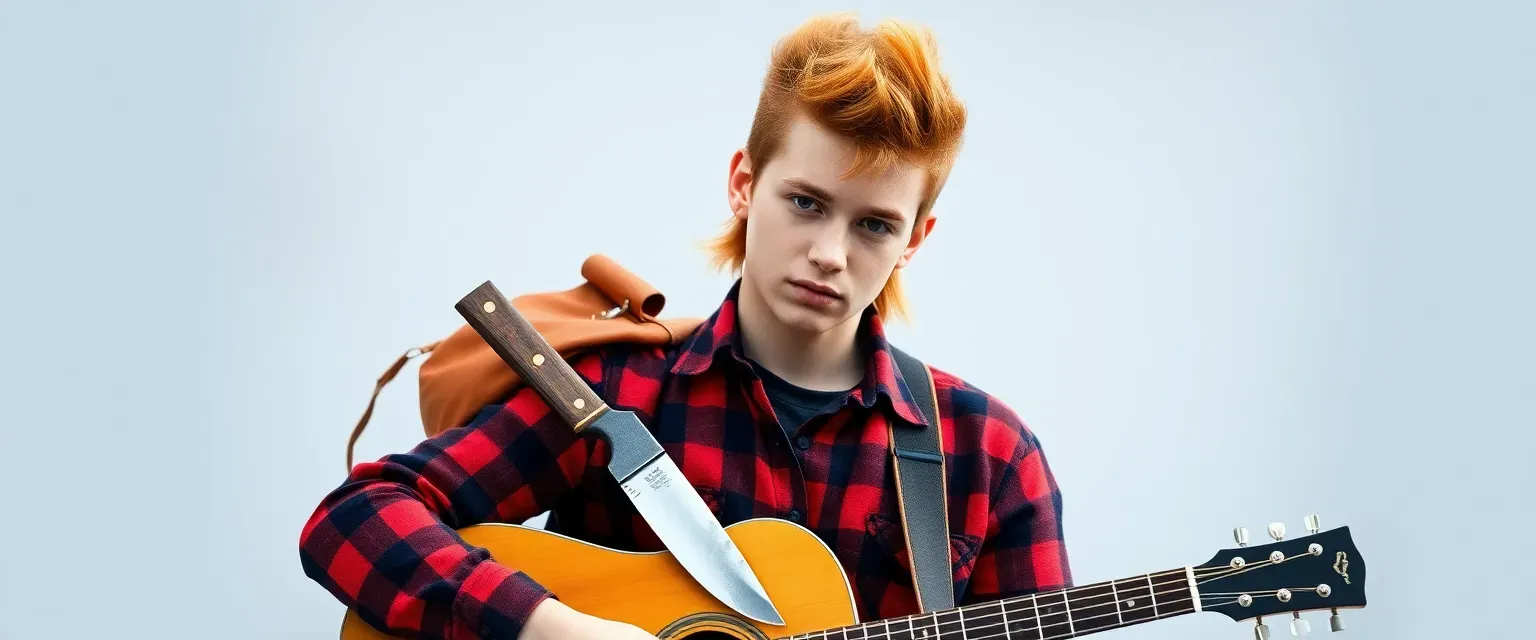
[{"x": 612, "y": 313}]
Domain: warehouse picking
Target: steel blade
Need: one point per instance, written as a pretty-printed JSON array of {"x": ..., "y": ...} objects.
[{"x": 678, "y": 515}]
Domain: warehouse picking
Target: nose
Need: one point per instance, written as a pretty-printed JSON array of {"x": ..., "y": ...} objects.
[{"x": 828, "y": 251}]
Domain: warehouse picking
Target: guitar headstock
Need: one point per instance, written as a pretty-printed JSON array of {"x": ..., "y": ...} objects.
[{"x": 1319, "y": 571}]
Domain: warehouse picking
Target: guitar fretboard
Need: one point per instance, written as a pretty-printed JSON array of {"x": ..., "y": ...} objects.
[{"x": 1052, "y": 615}]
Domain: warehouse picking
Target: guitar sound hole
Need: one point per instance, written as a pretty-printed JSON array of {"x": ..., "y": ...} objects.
[{"x": 710, "y": 626}]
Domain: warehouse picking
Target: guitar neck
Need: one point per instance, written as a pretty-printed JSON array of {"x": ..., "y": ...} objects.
[{"x": 1050, "y": 615}]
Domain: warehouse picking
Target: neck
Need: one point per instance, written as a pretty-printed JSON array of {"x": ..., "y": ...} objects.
[
  {"x": 1049, "y": 615},
  {"x": 826, "y": 360}
]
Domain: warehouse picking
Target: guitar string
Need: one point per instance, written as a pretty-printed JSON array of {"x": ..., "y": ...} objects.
[
  {"x": 1225, "y": 570},
  {"x": 1068, "y": 592},
  {"x": 927, "y": 617},
  {"x": 1218, "y": 600},
  {"x": 1039, "y": 628},
  {"x": 1257, "y": 565},
  {"x": 1209, "y": 574},
  {"x": 1259, "y": 594},
  {"x": 1183, "y": 586},
  {"x": 827, "y": 635}
]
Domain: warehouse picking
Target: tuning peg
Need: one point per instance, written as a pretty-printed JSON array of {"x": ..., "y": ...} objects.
[
  {"x": 1260, "y": 631},
  {"x": 1312, "y": 524},
  {"x": 1335, "y": 622},
  {"x": 1241, "y": 535},
  {"x": 1277, "y": 531},
  {"x": 1300, "y": 627}
]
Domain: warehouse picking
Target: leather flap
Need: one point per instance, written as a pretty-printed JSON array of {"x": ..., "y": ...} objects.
[{"x": 621, "y": 285}]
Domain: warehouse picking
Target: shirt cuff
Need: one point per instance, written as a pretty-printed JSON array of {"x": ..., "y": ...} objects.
[{"x": 495, "y": 601}]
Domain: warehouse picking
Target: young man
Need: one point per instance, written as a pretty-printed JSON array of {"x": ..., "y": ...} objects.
[{"x": 777, "y": 406}]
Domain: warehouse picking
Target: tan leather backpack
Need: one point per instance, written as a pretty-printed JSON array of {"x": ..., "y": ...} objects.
[{"x": 462, "y": 373}]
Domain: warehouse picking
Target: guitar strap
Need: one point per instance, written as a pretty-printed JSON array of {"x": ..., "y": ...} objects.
[{"x": 921, "y": 494}]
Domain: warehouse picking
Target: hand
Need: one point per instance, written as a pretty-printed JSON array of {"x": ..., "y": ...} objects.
[{"x": 553, "y": 619}]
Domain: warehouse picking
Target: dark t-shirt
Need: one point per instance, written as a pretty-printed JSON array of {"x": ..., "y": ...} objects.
[{"x": 793, "y": 404}]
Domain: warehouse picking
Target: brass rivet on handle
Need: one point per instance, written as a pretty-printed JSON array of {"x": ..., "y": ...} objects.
[
  {"x": 579, "y": 403},
  {"x": 538, "y": 359},
  {"x": 490, "y": 306}
]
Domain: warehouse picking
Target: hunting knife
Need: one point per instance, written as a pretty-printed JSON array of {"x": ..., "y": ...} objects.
[{"x": 658, "y": 489}]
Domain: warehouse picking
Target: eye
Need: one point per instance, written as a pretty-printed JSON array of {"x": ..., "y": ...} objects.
[
  {"x": 881, "y": 227},
  {"x": 803, "y": 202}
]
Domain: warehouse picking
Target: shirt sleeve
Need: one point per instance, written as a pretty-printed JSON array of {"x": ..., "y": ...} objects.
[
  {"x": 1024, "y": 551},
  {"x": 384, "y": 542}
]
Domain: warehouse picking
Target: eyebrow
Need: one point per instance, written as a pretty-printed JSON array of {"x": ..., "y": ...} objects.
[{"x": 822, "y": 195}]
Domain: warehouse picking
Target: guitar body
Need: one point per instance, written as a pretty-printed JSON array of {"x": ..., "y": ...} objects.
[{"x": 652, "y": 591}]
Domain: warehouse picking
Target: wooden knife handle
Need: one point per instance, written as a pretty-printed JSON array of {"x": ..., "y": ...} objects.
[{"x": 529, "y": 354}]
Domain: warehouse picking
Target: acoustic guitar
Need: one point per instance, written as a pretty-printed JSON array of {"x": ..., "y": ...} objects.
[{"x": 1321, "y": 571}]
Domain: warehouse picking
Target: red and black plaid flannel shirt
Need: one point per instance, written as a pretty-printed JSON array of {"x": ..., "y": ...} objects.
[{"x": 384, "y": 544}]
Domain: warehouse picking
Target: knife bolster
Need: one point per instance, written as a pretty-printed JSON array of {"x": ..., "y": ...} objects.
[{"x": 632, "y": 446}]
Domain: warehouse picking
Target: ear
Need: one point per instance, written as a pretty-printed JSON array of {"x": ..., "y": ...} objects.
[
  {"x": 920, "y": 233},
  {"x": 738, "y": 184}
]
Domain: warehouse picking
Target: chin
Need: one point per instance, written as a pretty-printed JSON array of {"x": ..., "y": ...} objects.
[{"x": 801, "y": 322}]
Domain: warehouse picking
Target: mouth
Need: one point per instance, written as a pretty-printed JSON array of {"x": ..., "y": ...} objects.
[{"x": 814, "y": 287}]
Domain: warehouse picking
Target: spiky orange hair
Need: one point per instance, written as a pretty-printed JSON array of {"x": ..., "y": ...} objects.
[{"x": 880, "y": 88}]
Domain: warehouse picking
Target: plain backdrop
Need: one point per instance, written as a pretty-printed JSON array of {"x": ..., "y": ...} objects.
[{"x": 1234, "y": 262}]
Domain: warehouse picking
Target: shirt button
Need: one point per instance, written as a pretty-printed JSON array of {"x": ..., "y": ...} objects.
[
  {"x": 794, "y": 515},
  {"x": 803, "y": 442}
]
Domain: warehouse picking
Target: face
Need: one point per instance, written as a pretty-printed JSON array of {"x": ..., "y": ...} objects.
[{"x": 820, "y": 248}]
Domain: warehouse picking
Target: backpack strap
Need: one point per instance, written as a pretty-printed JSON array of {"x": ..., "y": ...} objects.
[{"x": 917, "y": 457}]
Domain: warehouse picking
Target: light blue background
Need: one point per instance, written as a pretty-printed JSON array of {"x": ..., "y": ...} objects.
[{"x": 1237, "y": 261}]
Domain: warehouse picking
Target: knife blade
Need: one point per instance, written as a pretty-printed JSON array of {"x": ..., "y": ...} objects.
[{"x": 657, "y": 488}]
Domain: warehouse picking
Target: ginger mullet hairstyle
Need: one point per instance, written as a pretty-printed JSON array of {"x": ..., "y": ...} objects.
[{"x": 881, "y": 88}]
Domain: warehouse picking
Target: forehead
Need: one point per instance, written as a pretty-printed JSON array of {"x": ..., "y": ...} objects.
[{"x": 812, "y": 153}]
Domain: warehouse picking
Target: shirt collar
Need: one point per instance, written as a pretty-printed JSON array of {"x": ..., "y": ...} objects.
[{"x": 720, "y": 334}]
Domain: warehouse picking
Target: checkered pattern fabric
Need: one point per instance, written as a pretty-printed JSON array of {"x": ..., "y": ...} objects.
[{"x": 384, "y": 541}]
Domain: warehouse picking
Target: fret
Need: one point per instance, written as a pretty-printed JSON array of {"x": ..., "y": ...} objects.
[
  {"x": 924, "y": 627},
  {"x": 1116, "y": 592},
  {"x": 984, "y": 620},
  {"x": 1092, "y": 608},
  {"x": 948, "y": 624},
  {"x": 1054, "y": 614},
  {"x": 1034, "y": 605},
  {"x": 1022, "y": 624},
  {"x": 1136, "y": 604},
  {"x": 900, "y": 629}
]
